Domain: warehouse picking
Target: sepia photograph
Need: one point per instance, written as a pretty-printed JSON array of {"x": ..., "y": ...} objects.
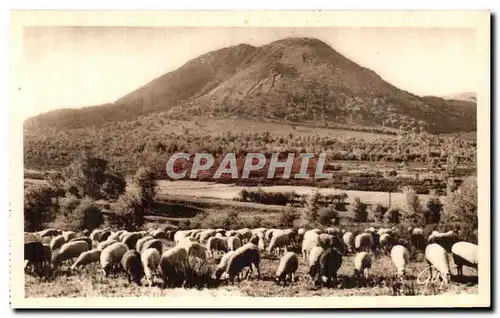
[{"x": 268, "y": 159}]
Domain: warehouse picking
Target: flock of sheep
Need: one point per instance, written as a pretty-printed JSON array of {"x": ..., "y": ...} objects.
[{"x": 143, "y": 254}]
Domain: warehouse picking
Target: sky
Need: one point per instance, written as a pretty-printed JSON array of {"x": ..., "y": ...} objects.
[{"x": 72, "y": 67}]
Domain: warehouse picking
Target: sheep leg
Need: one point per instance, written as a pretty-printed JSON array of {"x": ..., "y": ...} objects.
[{"x": 460, "y": 270}]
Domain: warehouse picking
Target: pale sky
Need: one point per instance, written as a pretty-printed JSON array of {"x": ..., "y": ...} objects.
[{"x": 71, "y": 67}]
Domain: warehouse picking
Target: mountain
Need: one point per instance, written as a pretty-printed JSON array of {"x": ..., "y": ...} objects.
[
  {"x": 467, "y": 97},
  {"x": 299, "y": 80}
]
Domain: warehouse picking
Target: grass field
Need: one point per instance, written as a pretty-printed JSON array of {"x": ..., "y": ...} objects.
[{"x": 91, "y": 283}]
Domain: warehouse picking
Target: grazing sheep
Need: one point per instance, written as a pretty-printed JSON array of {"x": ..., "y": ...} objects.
[
  {"x": 436, "y": 257},
  {"x": 130, "y": 239},
  {"x": 150, "y": 258},
  {"x": 140, "y": 242},
  {"x": 57, "y": 242},
  {"x": 362, "y": 265},
  {"x": 385, "y": 242},
  {"x": 279, "y": 242},
  {"x": 446, "y": 240},
  {"x": 219, "y": 235},
  {"x": 465, "y": 254},
  {"x": 233, "y": 243},
  {"x": 261, "y": 231},
  {"x": 308, "y": 243},
  {"x": 35, "y": 254},
  {"x": 132, "y": 265},
  {"x": 245, "y": 234},
  {"x": 179, "y": 235},
  {"x": 418, "y": 239},
  {"x": 246, "y": 256},
  {"x": 221, "y": 267},
  {"x": 114, "y": 236},
  {"x": 287, "y": 267},
  {"x": 159, "y": 234},
  {"x": 400, "y": 257},
  {"x": 49, "y": 232},
  {"x": 231, "y": 233},
  {"x": 101, "y": 246},
  {"x": 205, "y": 235},
  {"x": 326, "y": 240},
  {"x": 325, "y": 269},
  {"x": 216, "y": 244},
  {"x": 363, "y": 242},
  {"x": 88, "y": 257},
  {"x": 154, "y": 243},
  {"x": 194, "y": 249},
  {"x": 122, "y": 235},
  {"x": 96, "y": 235},
  {"x": 69, "y": 251},
  {"x": 348, "y": 239},
  {"x": 83, "y": 239},
  {"x": 68, "y": 235},
  {"x": 172, "y": 262},
  {"x": 313, "y": 259},
  {"x": 111, "y": 256},
  {"x": 269, "y": 234}
]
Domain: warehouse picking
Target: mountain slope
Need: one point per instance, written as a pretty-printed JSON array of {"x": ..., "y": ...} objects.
[{"x": 294, "y": 79}]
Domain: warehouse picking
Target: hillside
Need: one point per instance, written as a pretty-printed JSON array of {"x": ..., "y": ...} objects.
[
  {"x": 300, "y": 80},
  {"x": 467, "y": 97}
]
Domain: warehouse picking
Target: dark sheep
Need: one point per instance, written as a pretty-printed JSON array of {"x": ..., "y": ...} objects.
[
  {"x": 325, "y": 270},
  {"x": 132, "y": 265}
]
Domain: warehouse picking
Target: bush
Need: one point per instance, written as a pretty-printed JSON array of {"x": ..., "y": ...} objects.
[
  {"x": 461, "y": 205},
  {"x": 287, "y": 218},
  {"x": 413, "y": 209},
  {"x": 432, "y": 213},
  {"x": 226, "y": 220},
  {"x": 37, "y": 208},
  {"x": 327, "y": 216},
  {"x": 378, "y": 211},
  {"x": 243, "y": 195},
  {"x": 86, "y": 216},
  {"x": 393, "y": 216},
  {"x": 147, "y": 187},
  {"x": 128, "y": 212},
  {"x": 310, "y": 214},
  {"x": 263, "y": 197},
  {"x": 358, "y": 211}
]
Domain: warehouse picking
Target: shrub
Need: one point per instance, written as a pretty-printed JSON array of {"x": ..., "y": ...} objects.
[
  {"x": 461, "y": 205},
  {"x": 128, "y": 212},
  {"x": 378, "y": 211},
  {"x": 86, "y": 216},
  {"x": 244, "y": 195},
  {"x": 432, "y": 213},
  {"x": 358, "y": 211},
  {"x": 412, "y": 207},
  {"x": 37, "y": 207},
  {"x": 146, "y": 185},
  {"x": 287, "y": 218},
  {"x": 226, "y": 220},
  {"x": 327, "y": 216},
  {"x": 393, "y": 216},
  {"x": 310, "y": 213}
]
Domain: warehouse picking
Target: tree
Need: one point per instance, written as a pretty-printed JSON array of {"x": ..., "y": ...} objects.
[
  {"x": 327, "y": 216},
  {"x": 378, "y": 211},
  {"x": 37, "y": 207},
  {"x": 358, "y": 211},
  {"x": 412, "y": 207},
  {"x": 128, "y": 212},
  {"x": 287, "y": 218},
  {"x": 146, "y": 185},
  {"x": 432, "y": 213},
  {"x": 393, "y": 215},
  {"x": 90, "y": 176},
  {"x": 56, "y": 181},
  {"x": 461, "y": 205},
  {"x": 311, "y": 211},
  {"x": 86, "y": 216}
]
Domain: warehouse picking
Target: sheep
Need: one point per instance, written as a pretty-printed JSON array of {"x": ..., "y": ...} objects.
[
  {"x": 205, "y": 235},
  {"x": 179, "y": 235},
  {"x": 363, "y": 242},
  {"x": 49, "y": 232},
  {"x": 154, "y": 243},
  {"x": 436, "y": 257},
  {"x": 130, "y": 240},
  {"x": 122, "y": 235},
  {"x": 114, "y": 236},
  {"x": 219, "y": 270},
  {"x": 57, "y": 242},
  {"x": 418, "y": 239},
  {"x": 172, "y": 262},
  {"x": 269, "y": 234},
  {"x": 233, "y": 243},
  {"x": 231, "y": 233},
  {"x": 446, "y": 240},
  {"x": 287, "y": 267},
  {"x": 464, "y": 253},
  {"x": 328, "y": 240},
  {"x": 159, "y": 234},
  {"x": 246, "y": 234},
  {"x": 132, "y": 265},
  {"x": 258, "y": 240},
  {"x": 216, "y": 244},
  {"x": 83, "y": 239},
  {"x": 88, "y": 257},
  {"x": 362, "y": 265},
  {"x": 36, "y": 254},
  {"x": 279, "y": 241},
  {"x": 221, "y": 231},
  {"x": 246, "y": 256},
  {"x": 308, "y": 243},
  {"x": 69, "y": 251},
  {"x": 150, "y": 259},
  {"x": 219, "y": 235},
  {"x": 259, "y": 231},
  {"x": 105, "y": 244},
  {"x": 348, "y": 239},
  {"x": 385, "y": 242},
  {"x": 194, "y": 249},
  {"x": 325, "y": 269},
  {"x": 68, "y": 235},
  {"x": 140, "y": 242},
  {"x": 400, "y": 257},
  {"x": 313, "y": 259},
  {"x": 111, "y": 256}
]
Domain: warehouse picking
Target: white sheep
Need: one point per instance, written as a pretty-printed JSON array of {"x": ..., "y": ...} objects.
[
  {"x": 102, "y": 245},
  {"x": 69, "y": 251},
  {"x": 400, "y": 257},
  {"x": 216, "y": 244},
  {"x": 154, "y": 243},
  {"x": 287, "y": 267},
  {"x": 310, "y": 241},
  {"x": 194, "y": 249},
  {"x": 57, "y": 242},
  {"x": 111, "y": 256},
  {"x": 385, "y": 242},
  {"x": 233, "y": 243},
  {"x": 221, "y": 267},
  {"x": 171, "y": 262},
  {"x": 363, "y": 242},
  {"x": 179, "y": 235},
  {"x": 437, "y": 257},
  {"x": 465, "y": 254},
  {"x": 245, "y": 234},
  {"x": 246, "y": 256},
  {"x": 140, "y": 242},
  {"x": 88, "y": 257},
  {"x": 362, "y": 265},
  {"x": 348, "y": 239},
  {"x": 150, "y": 259},
  {"x": 279, "y": 242},
  {"x": 68, "y": 235},
  {"x": 206, "y": 234}
]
